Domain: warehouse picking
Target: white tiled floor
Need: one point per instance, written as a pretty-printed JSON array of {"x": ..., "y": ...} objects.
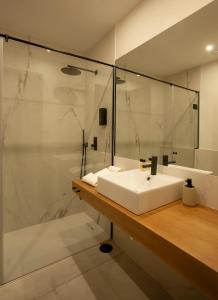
[
  {"x": 34, "y": 247},
  {"x": 88, "y": 275}
]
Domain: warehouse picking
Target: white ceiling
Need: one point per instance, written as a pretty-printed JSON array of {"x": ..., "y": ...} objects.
[
  {"x": 70, "y": 24},
  {"x": 179, "y": 48}
]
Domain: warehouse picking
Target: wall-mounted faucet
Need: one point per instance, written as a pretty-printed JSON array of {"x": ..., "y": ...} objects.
[
  {"x": 94, "y": 146},
  {"x": 166, "y": 161},
  {"x": 153, "y": 165}
]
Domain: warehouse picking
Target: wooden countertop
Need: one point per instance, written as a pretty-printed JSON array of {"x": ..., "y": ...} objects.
[{"x": 185, "y": 237}]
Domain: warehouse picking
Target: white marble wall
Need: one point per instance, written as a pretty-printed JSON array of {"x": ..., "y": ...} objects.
[
  {"x": 99, "y": 95},
  {"x": 44, "y": 112}
]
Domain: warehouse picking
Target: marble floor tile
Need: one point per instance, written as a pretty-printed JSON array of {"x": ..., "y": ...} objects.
[
  {"x": 31, "y": 248},
  {"x": 49, "y": 296},
  {"x": 71, "y": 267},
  {"x": 47, "y": 279},
  {"x": 89, "y": 286},
  {"x": 14, "y": 291},
  {"x": 130, "y": 281},
  {"x": 89, "y": 275},
  {"x": 188, "y": 293}
]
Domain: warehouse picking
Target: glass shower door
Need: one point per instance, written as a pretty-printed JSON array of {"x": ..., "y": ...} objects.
[
  {"x": 45, "y": 112},
  {"x": 185, "y": 109}
]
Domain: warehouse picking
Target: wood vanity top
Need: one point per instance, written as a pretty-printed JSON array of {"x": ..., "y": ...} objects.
[{"x": 185, "y": 237}]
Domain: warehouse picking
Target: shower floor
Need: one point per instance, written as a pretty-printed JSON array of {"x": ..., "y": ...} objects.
[{"x": 34, "y": 247}]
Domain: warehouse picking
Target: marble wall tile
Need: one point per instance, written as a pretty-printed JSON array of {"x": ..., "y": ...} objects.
[
  {"x": 43, "y": 114},
  {"x": 207, "y": 159},
  {"x": 38, "y": 122}
]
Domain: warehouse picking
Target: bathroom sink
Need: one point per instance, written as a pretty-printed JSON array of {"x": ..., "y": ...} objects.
[{"x": 135, "y": 191}]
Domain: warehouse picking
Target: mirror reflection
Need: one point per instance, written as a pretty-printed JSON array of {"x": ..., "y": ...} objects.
[{"x": 156, "y": 118}]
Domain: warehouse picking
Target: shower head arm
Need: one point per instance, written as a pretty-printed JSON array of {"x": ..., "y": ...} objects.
[{"x": 84, "y": 69}]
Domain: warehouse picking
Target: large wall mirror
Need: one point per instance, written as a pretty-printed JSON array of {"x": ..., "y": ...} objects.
[{"x": 157, "y": 118}]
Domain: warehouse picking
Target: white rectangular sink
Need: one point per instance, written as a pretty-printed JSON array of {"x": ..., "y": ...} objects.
[{"x": 132, "y": 190}]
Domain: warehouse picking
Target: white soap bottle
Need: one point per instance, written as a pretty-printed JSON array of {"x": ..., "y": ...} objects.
[{"x": 189, "y": 196}]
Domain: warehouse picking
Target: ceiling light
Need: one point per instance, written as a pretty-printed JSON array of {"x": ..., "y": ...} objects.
[
  {"x": 48, "y": 50},
  {"x": 138, "y": 75},
  {"x": 209, "y": 48}
]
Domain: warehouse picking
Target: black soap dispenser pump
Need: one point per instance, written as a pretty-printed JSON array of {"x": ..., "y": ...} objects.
[
  {"x": 189, "y": 183},
  {"x": 189, "y": 197}
]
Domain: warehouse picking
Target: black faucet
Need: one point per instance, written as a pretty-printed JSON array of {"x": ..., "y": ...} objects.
[
  {"x": 153, "y": 165},
  {"x": 166, "y": 161}
]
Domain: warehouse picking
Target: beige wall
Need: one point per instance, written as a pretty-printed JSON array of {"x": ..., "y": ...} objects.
[
  {"x": 104, "y": 50},
  {"x": 209, "y": 106},
  {"x": 150, "y": 18}
]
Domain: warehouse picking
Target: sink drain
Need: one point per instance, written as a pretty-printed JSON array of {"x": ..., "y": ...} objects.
[{"x": 106, "y": 248}]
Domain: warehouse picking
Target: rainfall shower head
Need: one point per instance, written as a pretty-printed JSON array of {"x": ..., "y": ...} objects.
[
  {"x": 72, "y": 70},
  {"x": 119, "y": 80}
]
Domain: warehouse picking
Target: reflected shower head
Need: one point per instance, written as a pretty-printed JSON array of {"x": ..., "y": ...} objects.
[
  {"x": 72, "y": 70},
  {"x": 119, "y": 80}
]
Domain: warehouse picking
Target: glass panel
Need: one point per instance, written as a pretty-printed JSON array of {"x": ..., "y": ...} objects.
[
  {"x": 185, "y": 126},
  {"x": 45, "y": 113}
]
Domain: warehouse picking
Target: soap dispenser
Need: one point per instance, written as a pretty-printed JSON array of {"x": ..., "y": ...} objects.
[{"x": 189, "y": 196}]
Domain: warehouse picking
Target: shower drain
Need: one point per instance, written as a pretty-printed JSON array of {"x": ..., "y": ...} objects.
[{"x": 106, "y": 248}]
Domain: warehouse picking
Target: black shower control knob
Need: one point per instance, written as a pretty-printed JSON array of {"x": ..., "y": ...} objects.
[{"x": 94, "y": 146}]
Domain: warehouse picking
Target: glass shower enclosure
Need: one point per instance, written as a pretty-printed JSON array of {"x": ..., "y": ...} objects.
[
  {"x": 49, "y": 117},
  {"x": 50, "y": 134}
]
